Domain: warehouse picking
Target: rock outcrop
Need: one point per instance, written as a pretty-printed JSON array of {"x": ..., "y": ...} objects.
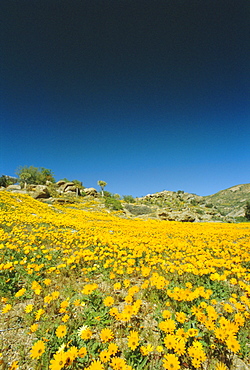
[
  {"x": 91, "y": 191},
  {"x": 40, "y": 191},
  {"x": 185, "y": 216},
  {"x": 14, "y": 187}
]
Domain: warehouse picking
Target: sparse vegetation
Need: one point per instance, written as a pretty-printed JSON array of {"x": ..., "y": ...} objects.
[{"x": 247, "y": 211}]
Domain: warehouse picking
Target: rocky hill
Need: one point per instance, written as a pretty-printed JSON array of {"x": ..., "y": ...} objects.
[
  {"x": 232, "y": 201},
  {"x": 225, "y": 206}
]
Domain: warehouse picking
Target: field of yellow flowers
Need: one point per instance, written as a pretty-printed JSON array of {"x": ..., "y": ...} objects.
[{"x": 91, "y": 290}]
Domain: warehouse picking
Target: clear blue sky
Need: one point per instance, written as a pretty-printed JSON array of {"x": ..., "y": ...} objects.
[{"x": 145, "y": 95}]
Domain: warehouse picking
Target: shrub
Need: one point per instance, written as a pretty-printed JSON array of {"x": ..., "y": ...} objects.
[
  {"x": 138, "y": 210},
  {"x": 128, "y": 199},
  {"x": 113, "y": 204},
  {"x": 3, "y": 181},
  {"x": 194, "y": 202},
  {"x": 209, "y": 205}
]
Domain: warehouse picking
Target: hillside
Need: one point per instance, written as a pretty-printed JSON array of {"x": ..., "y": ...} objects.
[
  {"x": 225, "y": 206},
  {"x": 231, "y": 201}
]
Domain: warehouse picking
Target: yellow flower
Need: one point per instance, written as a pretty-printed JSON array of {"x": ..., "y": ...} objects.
[
  {"x": 37, "y": 350},
  {"x": 29, "y": 308},
  {"x": 133, "y": 340},
  {"x": 170, "y": 341},
  {"x": 192, "y": 332},
  {"x": 13, "y": 366},
  {"x": 108, "y": 301},
  {"x": 112, "y": 348},
  {"x": 34, "y": 328},
  {"x": 117, "y": 286},
  {"x": 47, "y": 282},
  {"x": 233, "y": 344},
  {"x": 118, "y": 363},
  {"x": 20, "y": 292},
  {"x": 84, "y": 332},
  {"x": 58, "y": 361},
  {"x": 171, "y": 362},
  {"x": 180, "y": 347},
  {"x": 39, "y": 313},
  {"x": 82, "y": 352},
  {"x": 105, "y": 356},
  {"x": 70, "y": 355},
  {"x": 106, "y": 335},
  {"x": 89, "y": 288},
  {"x": 180, "y": 317},
  {"x": 6, "y": 308},
  {"x": 159, "y": 349},
  {"x": 77, "y": 302},
  {"x": 65, "y": 318},
  {"x": 166, "y": 314},
  {"x": 220, "y": 366},
  {"x": 64, "y": 304},
  {"x": 61, "y": 331},
  {"x": 145, "y": 350},
  {"x": 96, "y": 365},
  {"x": 167, "y": 326}
]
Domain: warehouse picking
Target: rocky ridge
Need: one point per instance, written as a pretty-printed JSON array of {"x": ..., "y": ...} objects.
[{"x": 225, "y": 206}]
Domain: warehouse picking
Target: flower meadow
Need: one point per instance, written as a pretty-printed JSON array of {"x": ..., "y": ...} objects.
[{"x": 93, "y": 290}]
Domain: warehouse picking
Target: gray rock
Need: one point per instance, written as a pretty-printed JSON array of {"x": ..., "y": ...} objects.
[
  {"x": 182, "y": 216},
  {"x": 60, "y": 183},
  {"x": 91, "y": 191},
  {"x": 63, "y": 187},
  {"x": 14, "y": 187},
  {"x": 40, "y": 191}
]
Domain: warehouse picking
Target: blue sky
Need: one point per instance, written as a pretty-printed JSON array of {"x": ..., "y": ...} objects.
[{"x": 145, "y": 95}]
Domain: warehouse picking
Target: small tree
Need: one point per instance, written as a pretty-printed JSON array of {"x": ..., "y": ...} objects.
[
  {"x": 24, "y": 178},
  {"x": 3, "y": 181},
  {"x": 247, "y": 211},
  {"x": 102, "y": 185},
  {"x": 33, "y": 175}
]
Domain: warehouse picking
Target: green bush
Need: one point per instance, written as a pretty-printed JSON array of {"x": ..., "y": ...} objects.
[
  {"x": 139, "y": 210},
  {"x": 241, "y": 219},
  {"x": 34, "y": 175},
  {"x": 128, "y": 199},
  {"x": 209, "y": 205},
  {"x": 112, "y": 203},
  {"x": 3, "y": 181}
]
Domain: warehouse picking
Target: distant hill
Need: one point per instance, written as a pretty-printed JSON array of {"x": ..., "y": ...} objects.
[
  {"x": 227, "y": 205},
  {"x": 231, "y": 201}
]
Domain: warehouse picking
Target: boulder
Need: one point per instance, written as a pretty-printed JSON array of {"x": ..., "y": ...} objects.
[
  {"x": 40, "y": 191},
  {"x": 61, "y": 200},
  {"x": 187, "y": 217},
  {"x": 70, "y": 189},
  {"x": 182, "y": 216},
  {"x": 14, "y": 187},
  {"x": 60, "y": 183},
  {"x": 63, "y": 188},
  {"x": 91, "y": 191}
]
